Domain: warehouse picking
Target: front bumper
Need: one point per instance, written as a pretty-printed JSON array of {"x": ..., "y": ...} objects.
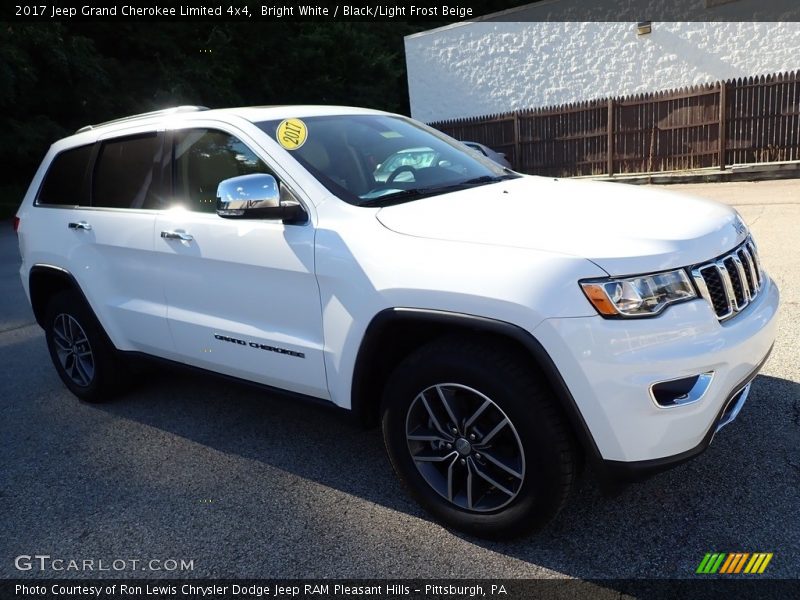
[
  {"x": 621, "y": 471},
  {"x": 609, "y": 366}
]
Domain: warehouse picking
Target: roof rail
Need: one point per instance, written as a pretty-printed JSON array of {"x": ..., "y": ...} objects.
[{"x": 167, "y": 111}]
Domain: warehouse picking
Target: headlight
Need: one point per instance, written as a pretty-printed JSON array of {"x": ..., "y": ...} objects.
[{"x": 642, "y": 296}]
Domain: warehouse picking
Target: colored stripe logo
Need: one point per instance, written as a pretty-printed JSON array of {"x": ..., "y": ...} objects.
[{"x": 734, "y": 562}]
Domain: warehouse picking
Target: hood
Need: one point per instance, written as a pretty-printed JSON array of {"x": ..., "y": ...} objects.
[{"x": 624, "y": 229}]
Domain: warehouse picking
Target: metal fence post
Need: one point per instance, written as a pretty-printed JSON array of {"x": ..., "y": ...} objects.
[
  {"x": 723, "y": 141},
  {"x": 610, "y": 137}
]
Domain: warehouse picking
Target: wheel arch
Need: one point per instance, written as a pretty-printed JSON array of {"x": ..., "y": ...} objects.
[
  {"x": 401, "y": 330},
  {"x": 45, "y": 281}
]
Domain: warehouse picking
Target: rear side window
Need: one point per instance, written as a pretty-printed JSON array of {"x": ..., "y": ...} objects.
[
  {"x": 127, "y": 173},
  {"x": 65, "y": 181}
]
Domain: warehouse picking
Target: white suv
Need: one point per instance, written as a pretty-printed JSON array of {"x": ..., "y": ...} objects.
[{"x": 502, "y": 328}]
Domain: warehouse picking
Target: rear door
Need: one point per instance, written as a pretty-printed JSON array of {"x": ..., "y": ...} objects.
[
  {"x": 242, "y": 295},
  {"x": 117, "y": 263},
  {"x": 92, "y": 221}
]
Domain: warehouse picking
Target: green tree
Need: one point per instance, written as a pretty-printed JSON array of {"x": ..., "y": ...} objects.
[{"x": 57, "y": 77}]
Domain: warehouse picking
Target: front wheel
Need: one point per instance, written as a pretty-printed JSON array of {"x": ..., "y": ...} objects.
[{"x": 475, "y": 435}]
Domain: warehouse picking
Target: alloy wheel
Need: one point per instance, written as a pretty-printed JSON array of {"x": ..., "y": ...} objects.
[
  {"x": 73, "y": 350},
  {"x": 465, "y": 447}
]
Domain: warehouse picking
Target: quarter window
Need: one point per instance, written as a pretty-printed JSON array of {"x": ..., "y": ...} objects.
[{"x": 64, "y": 183}]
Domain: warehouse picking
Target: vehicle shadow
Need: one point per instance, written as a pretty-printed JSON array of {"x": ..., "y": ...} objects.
[
  {"x": 740, "y": 495},
  {"x": 302, "y": 438}
]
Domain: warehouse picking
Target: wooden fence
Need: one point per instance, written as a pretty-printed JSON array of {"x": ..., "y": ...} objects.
[{"x": 750, "y": 120}]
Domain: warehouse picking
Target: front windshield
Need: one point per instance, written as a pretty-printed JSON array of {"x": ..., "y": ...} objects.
[{"x": 377, "y": 160}]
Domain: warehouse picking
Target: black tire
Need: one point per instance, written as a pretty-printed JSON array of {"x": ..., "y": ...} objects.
[
  {"x": 96, "y": 377},
  {"x": 546, "y": 453}
]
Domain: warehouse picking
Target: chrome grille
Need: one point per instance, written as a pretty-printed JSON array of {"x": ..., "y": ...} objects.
[{"x": 732, "y": 281}]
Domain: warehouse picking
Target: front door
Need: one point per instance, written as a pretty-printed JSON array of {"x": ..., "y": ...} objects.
[{"x": 242, "y": 297}]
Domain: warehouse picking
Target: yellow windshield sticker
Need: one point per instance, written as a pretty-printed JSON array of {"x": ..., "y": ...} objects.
[{"x": 292, "y": 134}]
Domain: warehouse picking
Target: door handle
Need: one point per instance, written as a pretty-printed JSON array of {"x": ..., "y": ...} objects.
[
  {"x": 177, "y": 235},
  {"x": 80, "y": 225}
]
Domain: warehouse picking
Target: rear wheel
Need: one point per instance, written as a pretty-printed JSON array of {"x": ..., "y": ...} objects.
[
  {"x": 475, "y": 435},
  {"x": 81, "y": 353}
]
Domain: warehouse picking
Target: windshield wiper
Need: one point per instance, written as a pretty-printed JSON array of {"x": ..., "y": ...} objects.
[
  {"x": 481, "y": 179},
  {"x": 468, "y": 183},
  {"x": 486, "y": 179},
  {"x": 399, "y": 196},
  {"x": 421, "y": 192}
]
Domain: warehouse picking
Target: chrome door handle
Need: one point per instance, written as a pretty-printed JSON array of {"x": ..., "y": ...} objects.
[
  {"x": 177, "y": 235},
  {"x": 80, "y": 225}
]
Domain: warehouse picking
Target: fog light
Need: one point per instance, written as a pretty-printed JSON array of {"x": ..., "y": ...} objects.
[{"x": 682, "y": 391}]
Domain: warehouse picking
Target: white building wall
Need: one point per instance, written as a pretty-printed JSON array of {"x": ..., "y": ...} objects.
[{"x": 473, "y": 69}]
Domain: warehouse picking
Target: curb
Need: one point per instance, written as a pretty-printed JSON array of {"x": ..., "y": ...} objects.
[{"x": 747, "y": 172}]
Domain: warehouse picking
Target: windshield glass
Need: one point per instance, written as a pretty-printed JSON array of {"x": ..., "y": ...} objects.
[{"x": 376, "y": 160}]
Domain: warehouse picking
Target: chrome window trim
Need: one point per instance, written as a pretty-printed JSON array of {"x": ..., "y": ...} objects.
[{"x": 103, "y": 208}]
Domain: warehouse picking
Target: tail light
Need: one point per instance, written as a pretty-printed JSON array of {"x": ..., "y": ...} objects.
[{"x": 16, "y": 224}]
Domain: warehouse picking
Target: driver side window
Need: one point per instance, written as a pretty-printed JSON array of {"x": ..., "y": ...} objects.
[{"x": 202, "y": 158}]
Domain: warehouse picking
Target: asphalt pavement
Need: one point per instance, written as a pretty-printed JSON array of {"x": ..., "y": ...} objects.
[{"x": 188, "y": 467}]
